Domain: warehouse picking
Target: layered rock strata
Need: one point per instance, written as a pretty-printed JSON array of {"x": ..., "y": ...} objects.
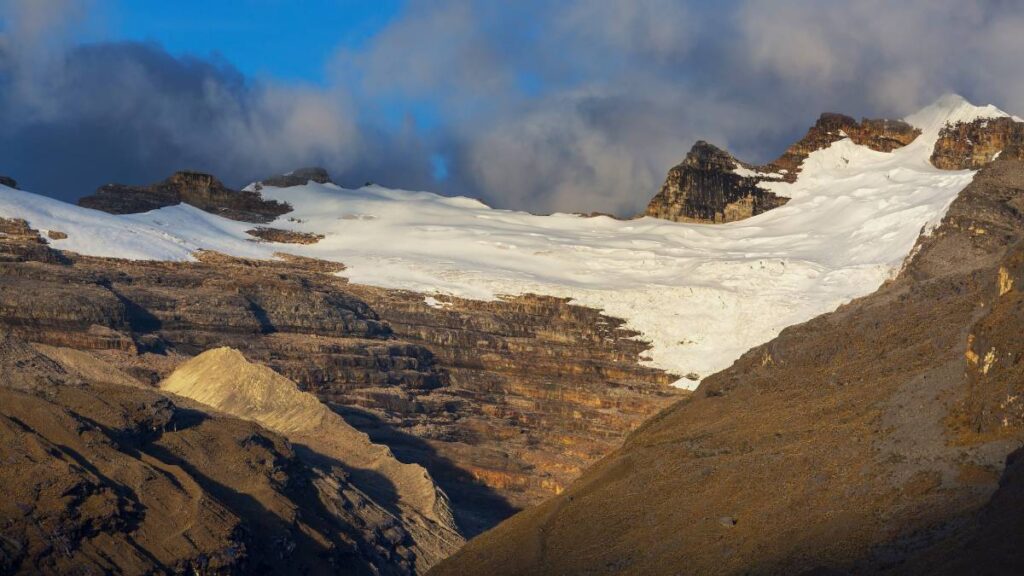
[
  {"x": 502, "y": 402},
  {"x": 223, "y": 379},
  {"x": 971, "y": 145}
]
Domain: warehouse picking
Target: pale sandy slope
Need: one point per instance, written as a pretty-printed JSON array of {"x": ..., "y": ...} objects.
[{"x": 223, "y": 379}]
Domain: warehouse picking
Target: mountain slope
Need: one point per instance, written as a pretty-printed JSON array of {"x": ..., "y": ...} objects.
[
  {"x": 865, "y": 439},
  {"x": 115, "y": 478},
  {"x": 223, "y": 379}
]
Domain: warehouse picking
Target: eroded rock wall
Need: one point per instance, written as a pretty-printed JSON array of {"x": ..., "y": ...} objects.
[{"x": 503, "y": 402}]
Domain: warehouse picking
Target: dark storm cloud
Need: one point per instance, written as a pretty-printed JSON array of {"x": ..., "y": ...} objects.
[
  {"x": 78, "y": 116},
  {"x": 575, "y": 105}
]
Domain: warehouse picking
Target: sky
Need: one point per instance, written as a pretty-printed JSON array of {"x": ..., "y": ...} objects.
[{"x": 576, "y": 105}]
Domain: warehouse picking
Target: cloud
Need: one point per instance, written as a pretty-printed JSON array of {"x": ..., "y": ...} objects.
[
  {"x": 576, "y": 105},
  {"x": 76, "y": 116}
]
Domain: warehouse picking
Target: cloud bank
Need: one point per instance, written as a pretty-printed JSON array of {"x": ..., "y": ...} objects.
[{"x": 543, "y": 106}]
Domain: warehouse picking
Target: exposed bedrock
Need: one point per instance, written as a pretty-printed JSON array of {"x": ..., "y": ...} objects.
[
  {"x": 971, "y": 145},
  {"x": 503, "y": 402},
  {"x": 195, "y": 188},
  {"x": 711, "y": 186}
]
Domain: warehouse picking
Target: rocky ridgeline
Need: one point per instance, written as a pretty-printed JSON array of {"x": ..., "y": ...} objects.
[
  {"x": 195, "y": 188},
  {"x": 971, "y": 145},
  {"x": 705, "y": 187},
  {"x": 403, "y": 494},
  {"x": 503, "y": 402},
  {"x": 711, "y": 186},
  {"x": 299, "y": 177}
]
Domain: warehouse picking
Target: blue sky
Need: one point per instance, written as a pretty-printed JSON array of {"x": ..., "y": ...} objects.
[{"x": 285, "y": 39}]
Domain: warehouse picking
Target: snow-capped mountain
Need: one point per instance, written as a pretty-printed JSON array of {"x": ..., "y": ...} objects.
[{"x": 702, "y": 294}]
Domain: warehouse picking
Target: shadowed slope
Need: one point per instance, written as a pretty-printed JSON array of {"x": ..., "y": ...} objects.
[{"x": 223, "y": 379}]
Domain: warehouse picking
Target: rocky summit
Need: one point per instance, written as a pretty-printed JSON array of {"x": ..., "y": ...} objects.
[
  {"x": 706, "y": 187},
  {"x": 195, "y": 188},
  {"x": 710, "y": 186}
]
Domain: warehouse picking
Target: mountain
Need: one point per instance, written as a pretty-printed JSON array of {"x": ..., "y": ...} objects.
[
  {"x": 194, "y": 188},
  {"x": 503, "y": 402},
  {"x": 502, "y": 352},
  {"x": 701, "y": 295},
  {"x": 711, "y": 186},
  {"x": 871, "y": 439}
]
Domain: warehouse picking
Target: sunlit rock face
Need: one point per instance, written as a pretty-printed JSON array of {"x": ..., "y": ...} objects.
[
  {"x": 711, "y": 186},
  {"x": 971, "y": 145}
]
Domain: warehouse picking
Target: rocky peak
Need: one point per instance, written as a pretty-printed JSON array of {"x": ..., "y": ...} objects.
[
  {"x": 711, "y": 186},
  {"x": 883, "y": 135},
  {"x": 971, "y": 145},
  {"x": 299, "y": 177},
  {"x": 198, "y": 189},
  {"x": 706, "y": 187}
]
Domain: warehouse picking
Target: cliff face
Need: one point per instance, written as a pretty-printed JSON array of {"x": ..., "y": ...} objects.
[
  {"x": 502, "y": 402},
  {"x": 711, "y": 186},
  {"x": 867, "y": 438},
  {"x": 535, "y": 390},
  {"x": 705, "y": 187},
  {"x": 971, "y": 145},
  {"x": 195, "y": 188}
]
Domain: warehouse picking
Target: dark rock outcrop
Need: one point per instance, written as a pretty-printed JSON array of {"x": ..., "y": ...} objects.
[
  {"x": 266, "y": 234},
  {"x": 299, "y": 177},
  {"x": 20, "y": 243},
  {"x": 195, "y": 188},
  {"x": 857, "y": 441},
  {"x": 705, "y": 187},
  {"x": 8, "y": 181},
  {"x": 878, "y": 134},
  {"x": 971, "y": 145}
]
